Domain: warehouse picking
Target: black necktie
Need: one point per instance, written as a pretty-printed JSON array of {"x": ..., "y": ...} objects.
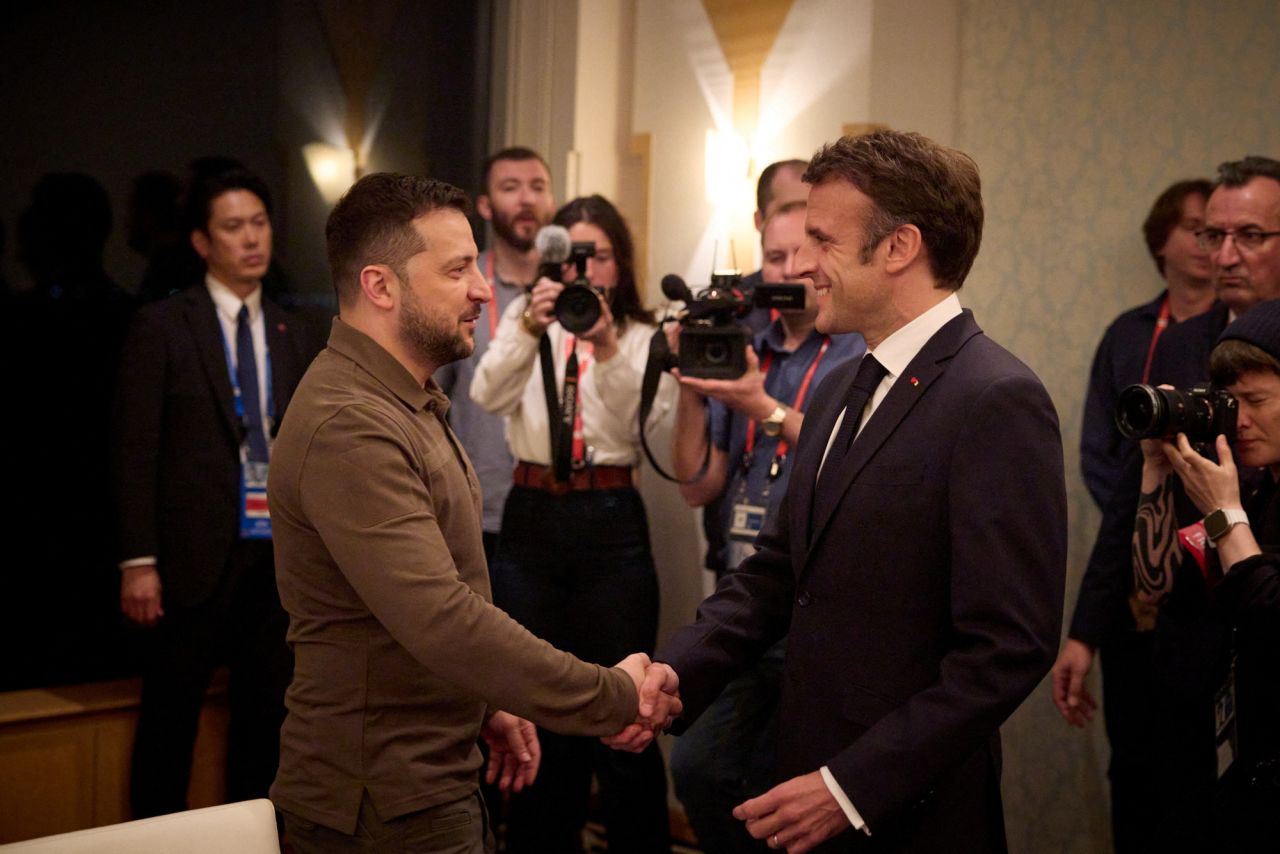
[
  {"x": 247, "y": 377},
  {"x": 869, "y": 375}
]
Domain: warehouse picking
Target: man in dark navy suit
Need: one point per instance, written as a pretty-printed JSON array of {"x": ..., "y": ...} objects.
[
  {"x": 205, "y": 376},
  {"x": 917, "y": 559}
]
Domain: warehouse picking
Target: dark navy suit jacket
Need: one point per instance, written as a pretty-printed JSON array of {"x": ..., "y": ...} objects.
[{"x": 923, "y": 605}]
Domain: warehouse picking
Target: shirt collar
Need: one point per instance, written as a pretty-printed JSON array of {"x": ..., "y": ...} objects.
[
  {"x": 228, "y": 303},
  {"x": 350, "y": 342},
  {"x": 897, "y": 351}
]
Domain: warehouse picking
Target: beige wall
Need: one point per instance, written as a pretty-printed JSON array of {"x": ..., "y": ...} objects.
[{"x": 1077, "y": 114}]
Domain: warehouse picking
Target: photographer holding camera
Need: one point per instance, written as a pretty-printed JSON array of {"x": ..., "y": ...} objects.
[
  {"x": 751, "y": 423},
  {"x": 573, "y": 563},
  {"x": 1236, "y": 549}
]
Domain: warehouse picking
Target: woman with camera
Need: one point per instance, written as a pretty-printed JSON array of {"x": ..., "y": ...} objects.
[
  {"x": 1234, "y": 561},
  {"x": 573, "y": 562}
]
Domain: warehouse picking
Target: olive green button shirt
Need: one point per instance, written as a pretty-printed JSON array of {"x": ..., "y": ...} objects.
[{"x": 376, "y": 517}]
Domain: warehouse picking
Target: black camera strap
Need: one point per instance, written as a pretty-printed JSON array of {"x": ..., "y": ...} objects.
[
  {"x": 659, "y": 359},
  {"x": 561, "y": 411}
]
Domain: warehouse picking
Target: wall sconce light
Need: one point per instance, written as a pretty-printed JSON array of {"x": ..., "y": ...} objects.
[
  {"x": 332, "y": 168},
  {"x": 728, "y": 178}
]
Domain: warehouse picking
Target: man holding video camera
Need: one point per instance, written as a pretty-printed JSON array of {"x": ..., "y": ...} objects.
[
  {"x": 1236, "y": 564},
  {"x": 750, "y": 423},
  {"x": 1241, "y": 217}
]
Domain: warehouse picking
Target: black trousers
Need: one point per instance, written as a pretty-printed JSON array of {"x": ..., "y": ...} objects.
[
  {"x": 243, "y": 626},
  {"x": 576, "y": 570}
]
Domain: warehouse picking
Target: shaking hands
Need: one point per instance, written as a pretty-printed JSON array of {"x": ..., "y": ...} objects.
[{"x": 658, "y": 688}]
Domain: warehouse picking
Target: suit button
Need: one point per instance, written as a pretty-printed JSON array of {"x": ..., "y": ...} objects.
[{"x": 804, "y": 599}]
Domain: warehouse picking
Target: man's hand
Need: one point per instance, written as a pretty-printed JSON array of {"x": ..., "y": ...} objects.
[
  {"x": 514, "y": 751},
  {"x": 657, "y": 687},
  {"x": 796, "y": 815},
  {"x": 1074, "y": 702},
  {"x": 745, "y": 394},
  {"x": 1208, "y": 484},
  {"x": 140, "y": 594}
]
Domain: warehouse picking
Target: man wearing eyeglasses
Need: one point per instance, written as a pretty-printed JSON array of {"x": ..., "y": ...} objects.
[{"x": 1241, "y": 233}]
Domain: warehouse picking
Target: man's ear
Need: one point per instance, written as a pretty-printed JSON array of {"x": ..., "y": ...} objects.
[
  {"x": 903, "y": 246},
  {"x": 378, "y": 285},
  {"x": 759, "y": 221},
  {"x": 484, "y": 207},
  {"x": 200, "y": 243}
]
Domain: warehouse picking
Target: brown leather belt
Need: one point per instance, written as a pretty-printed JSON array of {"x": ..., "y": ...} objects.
[{"x": 535, "y": 476}]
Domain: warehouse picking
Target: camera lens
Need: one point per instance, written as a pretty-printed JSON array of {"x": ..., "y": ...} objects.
[
  {"x": 577, "y": 308},
  {"x": 1141, "y": 412},
  {"x": 715, "y": 353}
]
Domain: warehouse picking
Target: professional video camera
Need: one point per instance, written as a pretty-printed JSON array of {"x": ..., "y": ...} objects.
[
  {"x": 578, "y": 305},
  {"x": 1202, "y": 412},
  {"x": 712, "y": 341}
]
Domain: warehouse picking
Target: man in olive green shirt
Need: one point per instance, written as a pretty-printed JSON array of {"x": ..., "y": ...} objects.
[{"x": 402, "y": 662}]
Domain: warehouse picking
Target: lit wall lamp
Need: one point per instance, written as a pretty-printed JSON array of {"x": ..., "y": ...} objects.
[
  {"x": 333, "y": 169},
  {"x": 728, "y": 175}
]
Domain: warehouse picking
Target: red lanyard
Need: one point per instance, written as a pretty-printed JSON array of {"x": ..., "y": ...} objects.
[
  {"x": 799, "y": 401},
  {"x": 584, "y": 362},
  {"x": 1161, "y": 323},
  {"x": 492, "y": 310}
]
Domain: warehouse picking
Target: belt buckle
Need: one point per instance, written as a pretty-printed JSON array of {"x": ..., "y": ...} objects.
[{"x": 550, "y": 484}]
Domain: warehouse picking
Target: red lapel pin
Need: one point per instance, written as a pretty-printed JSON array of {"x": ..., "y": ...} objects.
[{"x": 915, "y": 381}]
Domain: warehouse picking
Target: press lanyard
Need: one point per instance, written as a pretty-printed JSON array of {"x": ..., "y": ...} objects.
[
  {"x": 1162, "y": 322},
  {"x": 798, "y": 404},
  {"x": 579, "y": 445},
  {"x": 492, "y": 309},
  {"x": 235, "y": 380}
]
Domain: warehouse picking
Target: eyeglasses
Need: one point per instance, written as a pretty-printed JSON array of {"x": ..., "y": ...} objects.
[{"x": 1211, "y": 239}]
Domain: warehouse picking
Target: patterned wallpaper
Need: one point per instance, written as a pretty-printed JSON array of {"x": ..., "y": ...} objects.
[{"x": 1079, "y": 114}]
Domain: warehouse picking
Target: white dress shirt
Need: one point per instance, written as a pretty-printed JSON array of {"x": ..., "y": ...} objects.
[
  {"x": 508, "y": 382},
  {"x": 894, "y": 353}
]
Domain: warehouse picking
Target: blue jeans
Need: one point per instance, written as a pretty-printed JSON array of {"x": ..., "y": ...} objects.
[
  {"x": 576, "y": 570},
  {"x": 726, "y": 757}
]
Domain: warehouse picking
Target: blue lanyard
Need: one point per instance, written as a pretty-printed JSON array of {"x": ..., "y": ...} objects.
[{"x": 235, "y": 380}]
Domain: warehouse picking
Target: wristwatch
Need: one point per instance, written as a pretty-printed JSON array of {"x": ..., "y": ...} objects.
[
  {"x": 1222, "y": 520},
  {"x": 772, "y": 426}
]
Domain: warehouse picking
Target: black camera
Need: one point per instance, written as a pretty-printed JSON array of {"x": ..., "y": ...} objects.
[
  {"x": 578, "y": 305},
  {"x": 712, "y": 342},
  {"x": 1202, "y": 412}
]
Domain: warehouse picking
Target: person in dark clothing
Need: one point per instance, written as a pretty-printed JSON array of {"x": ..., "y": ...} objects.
[{"x": 1239, "y": 570}]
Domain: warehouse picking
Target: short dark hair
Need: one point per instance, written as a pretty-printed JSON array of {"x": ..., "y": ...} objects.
[
  {"x": 911, "y": 179},
  {"x": 764, "y": 187},
  {"x": 624, "y": 301},
  {"x": 206, "y": 188},
  {"x": 515, "y": 152},
  {"x": 1232, "y": 358},
  {"x": 373, "y": 224},
  {"x": 1237, "y": 173},
  {"x": 1166, "y": 213}
]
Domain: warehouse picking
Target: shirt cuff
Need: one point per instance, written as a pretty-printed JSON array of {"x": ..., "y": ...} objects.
[
  {"x": 136, "y": 561},
  {"x": 846, "y": 806}
]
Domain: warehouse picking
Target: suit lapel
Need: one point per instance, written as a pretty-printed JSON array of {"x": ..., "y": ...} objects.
[
  {"x": 282, "y": 356},
  {"x": 202, "y": 318},
  {"x": 908, "y": 389}
]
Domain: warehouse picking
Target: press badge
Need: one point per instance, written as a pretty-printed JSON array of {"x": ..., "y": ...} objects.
[
  {"x": 255, "y": 521},
  {"x": 1224, "y": 721},
  {"x": 745, "y": 522}
]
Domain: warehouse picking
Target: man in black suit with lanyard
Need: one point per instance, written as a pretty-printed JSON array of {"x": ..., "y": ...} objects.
[
  {"x": 917, "y": 559},
  {"x": 206, "y": 375}
]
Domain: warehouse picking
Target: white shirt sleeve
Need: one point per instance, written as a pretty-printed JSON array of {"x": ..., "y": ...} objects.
[{"x": 846, "y": 806}]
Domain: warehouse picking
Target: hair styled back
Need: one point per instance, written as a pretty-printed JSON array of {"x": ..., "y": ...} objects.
[
  {"x": 624, "y": 300},
  {"x": 373, "y": 224},
  {"x": 911, "y": 179},
  {"x": 516, "y": 153},
  {"x": 206, "y": 187},
  {"x": 1237, "y": 173},
  {"x": 1166, "y": 213}
]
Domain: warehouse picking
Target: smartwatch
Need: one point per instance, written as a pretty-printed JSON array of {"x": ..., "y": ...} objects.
[
  {"x": 1222, "y": 520},
  {"x": 772, "y": 426}
]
